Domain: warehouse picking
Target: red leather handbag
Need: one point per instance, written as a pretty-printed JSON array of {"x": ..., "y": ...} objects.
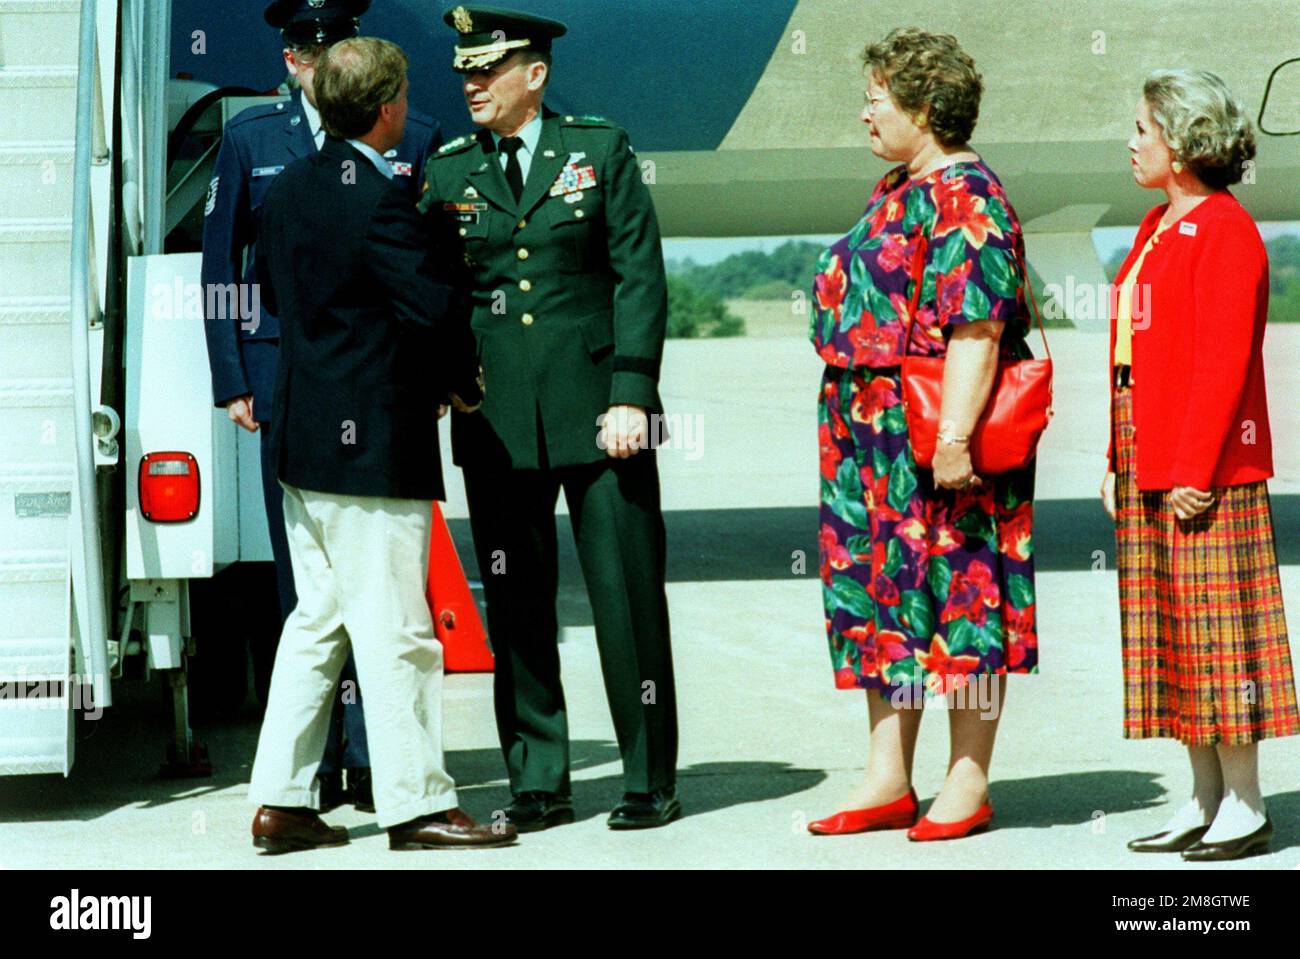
[{"x": 1018, "y": 409}]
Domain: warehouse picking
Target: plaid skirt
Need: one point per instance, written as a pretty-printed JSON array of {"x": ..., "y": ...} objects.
[{"x": 1206, "y": 658}]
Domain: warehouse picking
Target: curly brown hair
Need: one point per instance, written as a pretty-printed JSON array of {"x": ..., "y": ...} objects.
[{"x": 929, "y": 73}]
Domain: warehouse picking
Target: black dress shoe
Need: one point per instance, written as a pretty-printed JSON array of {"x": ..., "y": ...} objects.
[
  {"x": 534, "y": 811},
  {"x": 646, "y": 810},
  {"x": 1169, "y": 841},
  {"x": 361, "y": 790},
  {"x": 1248, "y": 845},
  {"x": 332, "y": 793}
]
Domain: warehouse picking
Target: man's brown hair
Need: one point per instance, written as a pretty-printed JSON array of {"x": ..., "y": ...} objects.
[{"x": 354, "y": 78}]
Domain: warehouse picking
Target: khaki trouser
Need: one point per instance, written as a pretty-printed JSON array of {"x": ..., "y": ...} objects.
[{"x": 360, "y": 565}]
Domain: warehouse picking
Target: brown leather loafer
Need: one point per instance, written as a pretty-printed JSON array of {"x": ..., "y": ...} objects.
[
  {"x": 452, "y": 829},
  {"x": 290, "y": 830}
]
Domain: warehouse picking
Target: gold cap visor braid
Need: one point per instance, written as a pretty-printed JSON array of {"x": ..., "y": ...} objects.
[{"x": 468, "y": 59}]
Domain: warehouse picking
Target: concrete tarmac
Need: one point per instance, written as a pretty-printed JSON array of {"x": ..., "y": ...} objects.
[{"x": 767, "y": 743}]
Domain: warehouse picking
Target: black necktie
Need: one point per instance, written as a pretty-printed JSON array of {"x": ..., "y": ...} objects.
[{"x": 514, "y": 172}]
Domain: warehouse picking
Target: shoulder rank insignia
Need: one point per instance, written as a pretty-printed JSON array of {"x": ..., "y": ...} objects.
[
  {"x": 587, "y": 121},
  {"x": 460, "y": 143}
]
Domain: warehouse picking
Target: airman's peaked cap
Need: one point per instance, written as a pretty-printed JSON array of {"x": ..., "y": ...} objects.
[
  {"x": 490, "y": 34},
  {"x": 307, "y": 22}
]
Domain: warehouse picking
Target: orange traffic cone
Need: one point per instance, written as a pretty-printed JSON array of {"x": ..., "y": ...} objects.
[{"x": 455, "y": 615}]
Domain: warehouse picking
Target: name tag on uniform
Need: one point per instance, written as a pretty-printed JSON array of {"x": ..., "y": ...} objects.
[
  {"x": 465, "y": 212},
  {"x": 267, "y": 170},
  {"x": 1187, "y": 229},
  {"x": 573, "y": 179},
  {"x": 401, "y": 169}
]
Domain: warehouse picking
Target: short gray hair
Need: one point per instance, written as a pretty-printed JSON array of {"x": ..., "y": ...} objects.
[{"x": 1204, "y": 124}]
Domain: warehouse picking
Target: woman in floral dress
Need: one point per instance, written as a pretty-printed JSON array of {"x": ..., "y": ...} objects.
[{"x": 927, "y": 575}]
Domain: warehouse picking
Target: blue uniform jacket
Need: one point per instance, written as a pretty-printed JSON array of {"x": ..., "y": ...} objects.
[{"x": 258, "y": 144}]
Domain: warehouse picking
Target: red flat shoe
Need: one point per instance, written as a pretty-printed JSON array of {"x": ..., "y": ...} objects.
[
  {"x": 898, "y": 814},
  {"x": 928, "y": 830}
]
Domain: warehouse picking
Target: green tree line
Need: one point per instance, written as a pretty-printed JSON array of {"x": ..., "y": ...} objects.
[
  {"x": 1283, "y": 277},
  {"x": 697, "y": 293}
]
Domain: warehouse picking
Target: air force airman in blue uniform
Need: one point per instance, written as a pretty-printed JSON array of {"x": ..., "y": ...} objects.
[{"x": 242, "y": 349}]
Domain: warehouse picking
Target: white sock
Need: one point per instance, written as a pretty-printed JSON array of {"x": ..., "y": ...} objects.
[
  {"x": 1236, "y": 818},
  {"x": 1188, "y": 816}
]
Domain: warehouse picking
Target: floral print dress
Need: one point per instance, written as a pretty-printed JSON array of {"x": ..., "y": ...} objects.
[{"x": 921, "y": 585}]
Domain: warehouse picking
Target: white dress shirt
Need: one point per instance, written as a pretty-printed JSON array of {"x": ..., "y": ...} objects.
[
  {"x": 313, "y": 121},
  {"x": 375, "y": 157}
]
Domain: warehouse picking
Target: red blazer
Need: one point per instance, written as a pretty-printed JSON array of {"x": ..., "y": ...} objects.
[{"x": 1198, "y": 366}]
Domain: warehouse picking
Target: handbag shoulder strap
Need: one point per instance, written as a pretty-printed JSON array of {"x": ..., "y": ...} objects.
[
  {"x": 918, "y": 275},
  {"x": 1033, "y": 301}
]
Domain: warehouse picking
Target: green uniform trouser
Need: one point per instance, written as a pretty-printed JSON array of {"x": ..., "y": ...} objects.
[{"x": 614, "y": 508}]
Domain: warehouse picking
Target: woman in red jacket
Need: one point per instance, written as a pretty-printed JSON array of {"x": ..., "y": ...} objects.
[{"x": 1205, "y": 649}]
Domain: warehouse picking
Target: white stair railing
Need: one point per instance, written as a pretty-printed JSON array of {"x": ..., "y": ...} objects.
[{"x": 89, "y": 596}]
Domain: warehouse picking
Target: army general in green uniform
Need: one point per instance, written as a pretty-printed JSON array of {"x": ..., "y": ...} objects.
[{"x": 561, "y": 250}]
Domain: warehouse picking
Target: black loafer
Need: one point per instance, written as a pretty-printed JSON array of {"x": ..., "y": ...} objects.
[
  {"x": 361, "y": 790},
  {"x": 1169, "y": 841},
  {"x": 1252, "y": 844},
  {"x": 535, "y": 811},
  {"x": 646, "y": 810},
  {"x": 332, "y": 793}
]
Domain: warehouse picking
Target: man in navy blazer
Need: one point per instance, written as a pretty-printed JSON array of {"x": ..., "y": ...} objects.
[
  {"x": 375, "y": 341},
  {"x": 257, "y": 146}
]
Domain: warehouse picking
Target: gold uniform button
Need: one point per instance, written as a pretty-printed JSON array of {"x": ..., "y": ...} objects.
[
  {"x": 525, "y": 285},
  {"x": 528, "y": 319},
  {"x": 523, "y": 253},
  {"x": 579, "y": 213},
  {"x": 464, "y": 231},
  {"x": 522, "y": 224}
]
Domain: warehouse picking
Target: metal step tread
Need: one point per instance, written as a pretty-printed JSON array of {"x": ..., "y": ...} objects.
[
  {"x": 33, "y": 566},
  {"x": 34, "y": 646},
  {"x": 36, "y": 151},
  {"x": 46, "y": 755},
  {"x": 36, "y": 478},
  {"x": 45, "y": 76},
  {"x": 35, "y": 229},
  {"x": 55, "y": 393},
  {"x": 29, "y": 755},
  {"x": 39, "y": 6},
  {"x": 47, "y": 675},
  {"x": 48, "y": 666},
  {"x": 33, "y": 310}
]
